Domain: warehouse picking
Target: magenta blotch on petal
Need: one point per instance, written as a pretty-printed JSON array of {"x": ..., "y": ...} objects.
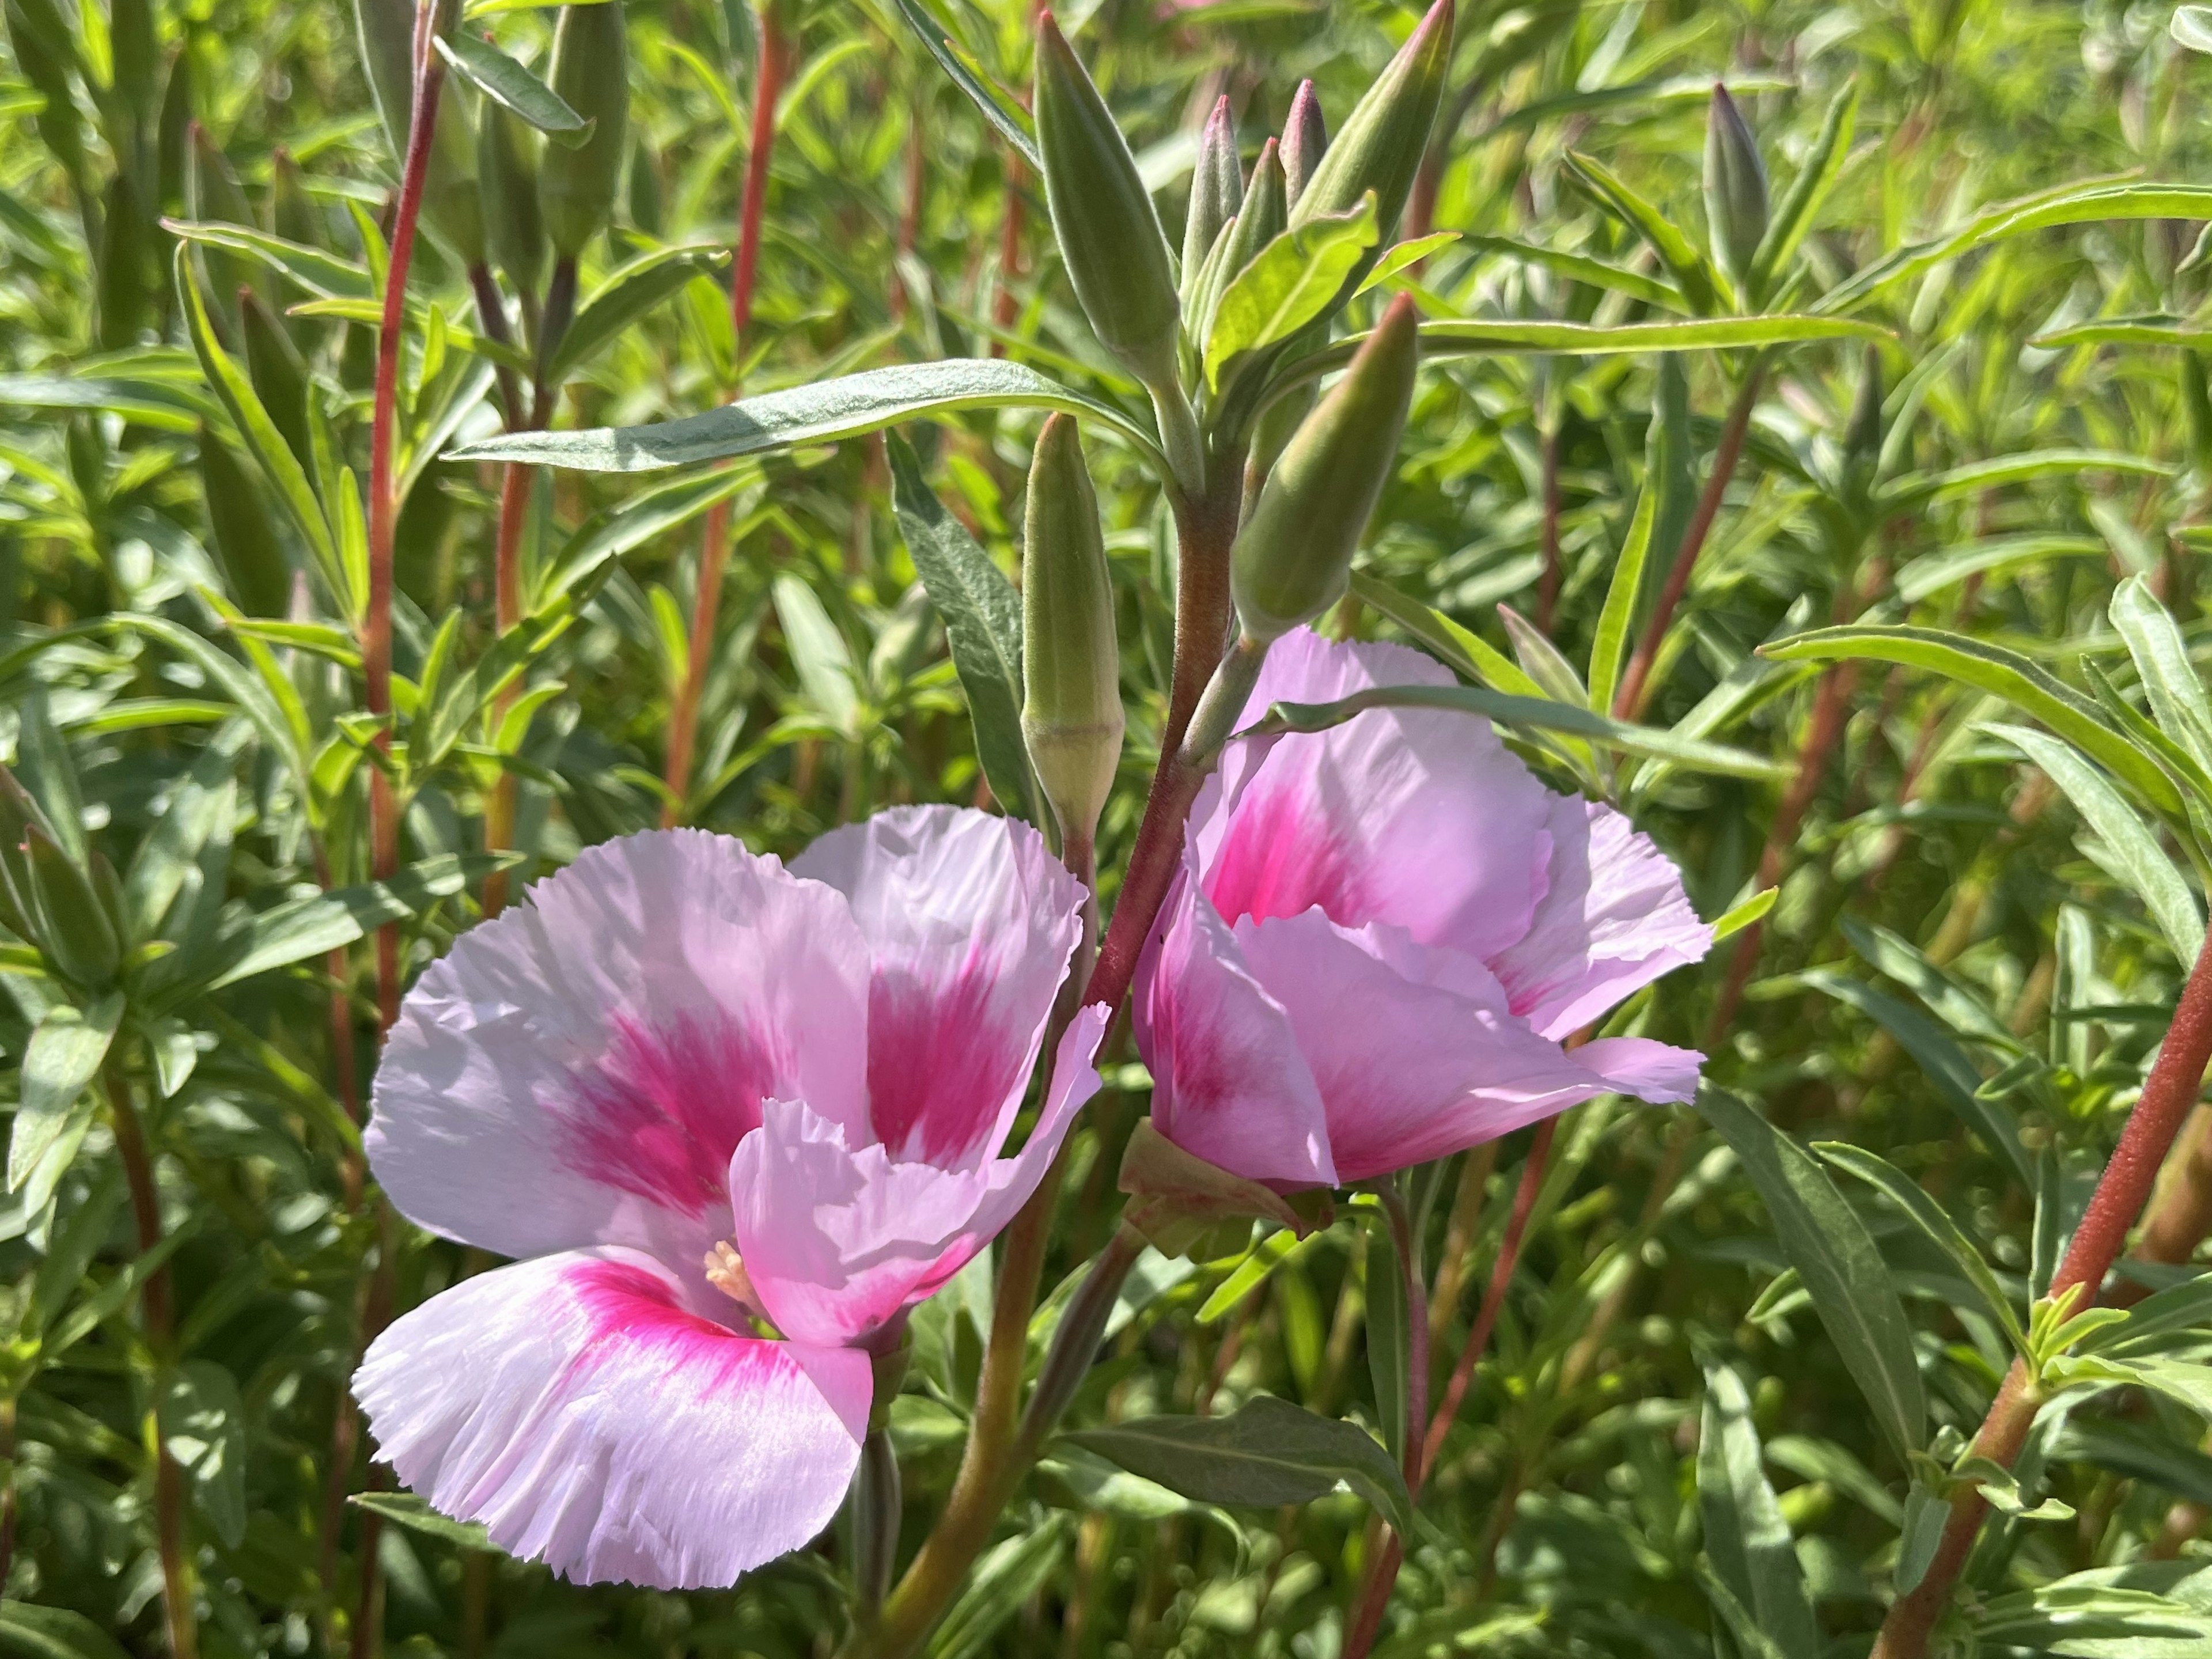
[
  {"x": 576, "y": 1408},
  {"x": 1385, "y": 933}
]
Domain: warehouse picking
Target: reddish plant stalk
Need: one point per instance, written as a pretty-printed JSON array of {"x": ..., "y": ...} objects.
[
  {"x": 1635, "y": 684},
  {"x": 2168, "y": 1095},
  {"x": 1421, "y": 1463},
  {"x": 157, "y": 1310},
  {"x": 775, "y": 61},
  {"x": 376, "y": 667},
  {"x": 1547, "y": 595}
]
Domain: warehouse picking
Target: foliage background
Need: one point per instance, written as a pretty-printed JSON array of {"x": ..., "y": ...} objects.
[{"x": 1947, "y": 949}]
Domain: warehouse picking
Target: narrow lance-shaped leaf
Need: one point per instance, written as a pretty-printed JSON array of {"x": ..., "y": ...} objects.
[
  {"x": 1843, "y": 1271},
  {"x": 1267, "y": 1453},
  {"x": 821, "y": 413},
  {"x": 1746, "y": 1535},
  {"x": 508, "y": 83},
  {"x": 1615, "y": 623},
  {"x": 64, "y": 1055},
  {"x": 982, "y": 615},
  {"x": 1293, "y": 282}
]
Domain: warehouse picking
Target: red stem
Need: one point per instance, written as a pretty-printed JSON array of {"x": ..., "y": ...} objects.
[
  {"x": 506, "y": 601},
  {"x": 2168, "y": 1094},
  {"x": 1634, "y": 687},
  {"x": 776, "y": 52}
]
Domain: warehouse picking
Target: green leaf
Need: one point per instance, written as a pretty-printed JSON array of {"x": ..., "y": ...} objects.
[
  {"x": 312, "y": 269},
  {"x": 1794, "y": 213},
  {"x": 1460, "y": 649},
  {"x": 204, "y": 1430},
  {"x": 300, "y": 928},
  {"x": 1580, "y": 268},
  {"x": 278, "y": 463},
  {"x": 142, "y": 403},
  {"x": 1389, "y": 1332},
  {"x": 1939, "y": 1058},
  {"x": 999, "y": 107},
  {"x": 1690, "y": 270},
  {"x": 63, "y": 1056},
  {"x": 2178, "y": 1312},
  {"x": 1291, "y": 281},
  {"x": 982, "y": 615},
  {"x": 1741, "y": 916},
  {"x": 1901, "y": 1190},
  {"x": 1007, "y": 1578},
  {"x": 404, "y": 1509},
  {"x": 1267, "y": 1452},
  {"x": 819, "y": 653},
  {"x": 2127, "y": 848},
  {"x": 2154, "y": 330},
  {"x": 1533, "y": 713},
  {"x": 2169, "y": 677},
  {"x": 1462, "y": 337},
  {"x": 629, "y": 292},
  {"x": 1745, "y": 1535},
  {"x": 44, "y": 1633},
  {"x": 631, "y": 523},
  {"x": 1932, "y": 573},
  {"x": 817, "y": 414},
  {"x": 1844, "y": 1272},
  {"x": 2001, "y": 672},
  {"x": 1610, "y": 649},
  {"x": 1916, "y": 490},
  {"x": 204, "y": 798},
  {"x": 508, "y": 83},
  {"x": 2192, "y": 27},
  {"x": 1401, "y": 255}
]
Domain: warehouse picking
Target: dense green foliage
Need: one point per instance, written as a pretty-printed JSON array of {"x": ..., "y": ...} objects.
[{"x": 1726, "y": 1391}]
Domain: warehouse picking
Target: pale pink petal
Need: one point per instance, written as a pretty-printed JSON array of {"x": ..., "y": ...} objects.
[
  {"x": 1637, "y": 1066},
  {"x": 573, "y": 1405},
  {"x": 969, "y": 922},
  {"x": 837, "y": 1239},
  {"x": 1417, "y": 818},
  {"x": 1227, "y": 1081},
  {"x": 579, "y": 1070},
  {"x": 1613, "y": 919},
  {"x": 1409, "y": 1071}
]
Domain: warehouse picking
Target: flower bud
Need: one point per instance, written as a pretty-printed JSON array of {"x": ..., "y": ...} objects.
[
  {"x": 1265, "y": 216},
  {"x": 1103, "y": 217},
  {"x": 1293, "y": 558},
  {"x": 1735, "y": 188},
  {"x": 506, "y": 175},
  {"x": 293, "y": 214},
  {"x": 18, "y": 813},
  {"x": 1381, "y": 144},
  {"x": 387, "y": 28},
  {"x": 576, "y": 185},
  {"x": 74, "y": 928},
  {"x": 1217, "y": 186},
  {"x": 212, "y": 194},
  {"x": 1071, "y": 716},
  {"x": 1178, "y": 1200},
  {"x": 1305, "y": 140}
]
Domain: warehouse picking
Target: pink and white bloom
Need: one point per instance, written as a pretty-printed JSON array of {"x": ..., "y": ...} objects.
[
  {"x": 702, "y": 1097},
  {"x": 1382, "y": 933}
]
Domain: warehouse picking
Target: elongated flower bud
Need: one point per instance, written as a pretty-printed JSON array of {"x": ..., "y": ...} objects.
[
  {"x": 293, "y": 214},
  {"x": 449, "y": 193},
  {"x": 1305, "y": 140},
  {"x": 1072, "y": 715},
  {"x": 1103, "y": 217},
  {"x": 1736, "y": 187},
  {"x": 1381, "y": 144},
  {"x": 1265, "y": 213},
  {"x": 507, "y": 173},
  {"x": 590, "y": 70},
  {"x": 74, "y": 927},
  {"x": 18, "y": 813},
  {"x": 1217, "y": 187},
  {"x": 1293, "y": 558},
  {"x": 244, "y": 535}
]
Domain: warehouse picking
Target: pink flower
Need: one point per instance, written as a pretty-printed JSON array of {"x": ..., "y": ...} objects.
[
  {"x": 1383, "y": 932},
  {"x": 698, "y": 1095}
]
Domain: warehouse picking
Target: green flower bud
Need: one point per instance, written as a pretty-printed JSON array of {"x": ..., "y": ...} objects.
[
  {"x": 1265, "y": 216},
  {"x": 1293, "y": 558},
  {"x": 1217, "y": 187},
  {"x": 174, "y": 130},
  {"x": 243, "y": 534},
  {"x": 590, "y": 70},
  {"x": 1071, "y": 716},
  {"x": 279, "y": 378},
  {"x": 136, "y": 53},
  {"x": 1735, "y": 188},
  {"x": 648, "y": 209},
  {"x": 1381, "y": 144},
  {"x": 1305, "y": 140},
  {"x": 74, "y": 927},
  {"x": 506, "y": 164},
  {"x": 1103, "y": 217},
  {"x": 212, "y": 193},
  {"x": 125, "y": 259},
  {"x": 449, "y": 193}
]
